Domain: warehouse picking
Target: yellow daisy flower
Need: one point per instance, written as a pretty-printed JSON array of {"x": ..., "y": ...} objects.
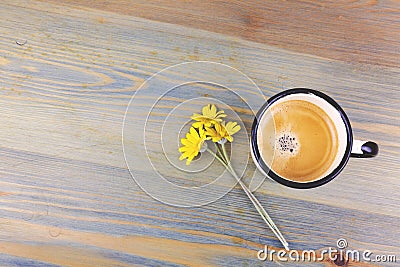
[
  {"x": 223, "y": 131},
  {"x": 192, "y": 144},
  {"x": 208, "y": 117}
]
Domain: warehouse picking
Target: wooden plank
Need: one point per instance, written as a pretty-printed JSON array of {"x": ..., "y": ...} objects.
[
  {"x": 351, "y": 31},
  {"x": 64, "y": 182}
]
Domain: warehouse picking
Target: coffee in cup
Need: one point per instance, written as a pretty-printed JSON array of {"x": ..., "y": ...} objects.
[{"x": 302, "y": 138}]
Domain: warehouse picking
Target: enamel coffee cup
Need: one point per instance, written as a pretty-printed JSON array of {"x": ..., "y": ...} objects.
[{"x": 302, "y": 138}]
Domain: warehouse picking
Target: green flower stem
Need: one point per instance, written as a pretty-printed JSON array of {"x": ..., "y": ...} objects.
[
  {"x": 254, "y": 200},
  {"x": 219, "y": 159},
  {"x": 219, "y": 150}
]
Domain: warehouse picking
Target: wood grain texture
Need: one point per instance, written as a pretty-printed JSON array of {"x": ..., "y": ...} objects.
[
  {"x": 67, "y": 198},
  {"x": 365, "y": 31}
]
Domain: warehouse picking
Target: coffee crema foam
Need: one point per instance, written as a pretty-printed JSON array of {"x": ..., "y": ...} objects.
[{"x": 305, "y": 143}]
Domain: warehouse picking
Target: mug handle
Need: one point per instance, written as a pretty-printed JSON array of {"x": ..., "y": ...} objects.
[{"x": 364, "y": 149}]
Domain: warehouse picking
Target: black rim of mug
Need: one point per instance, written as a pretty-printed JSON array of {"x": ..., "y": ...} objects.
[{"x": 273, "y": 175}]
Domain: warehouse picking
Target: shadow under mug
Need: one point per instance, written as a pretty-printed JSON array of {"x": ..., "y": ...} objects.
[{"x": 353, "y": 148}]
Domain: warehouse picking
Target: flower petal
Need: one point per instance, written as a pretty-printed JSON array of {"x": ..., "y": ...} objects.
[
  {"x": 232, "y": 127},
  {"x": 196, "y": 117},
  {"x": 185, "y": 142},
  {"x": 205, "y": 110},
  {"x": 213, "y": 109},
  {"x": 198, "y": 124},
  {"x": 193, "y": 132}
]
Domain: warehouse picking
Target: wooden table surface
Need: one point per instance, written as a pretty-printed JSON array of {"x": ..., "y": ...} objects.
[{"x": 69, "y": 69}]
